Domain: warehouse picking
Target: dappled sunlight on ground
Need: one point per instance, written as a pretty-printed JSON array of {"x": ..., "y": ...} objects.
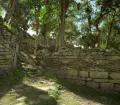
[{"x": 42, "y": 90}]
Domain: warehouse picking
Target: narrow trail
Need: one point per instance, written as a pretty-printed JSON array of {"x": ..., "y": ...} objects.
[{"x": 45, "y": 91}]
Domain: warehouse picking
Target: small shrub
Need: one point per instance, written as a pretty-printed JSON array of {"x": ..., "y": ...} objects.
[
  {"x": 51, "y": 75},
  {"x": 54, "y": 93},
  {"x": 11, "y": 77}
]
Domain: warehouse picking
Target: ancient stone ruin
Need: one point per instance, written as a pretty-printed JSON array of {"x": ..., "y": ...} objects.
[
  {"x": 94, "y": 68},
  {"x": 6, "y": 48}
]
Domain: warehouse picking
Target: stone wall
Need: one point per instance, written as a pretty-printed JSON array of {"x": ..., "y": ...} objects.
[
  {"x": 6, "y": 48},
  {"x": 94, "y": 68},
  {"x": 10, "y": 42}
]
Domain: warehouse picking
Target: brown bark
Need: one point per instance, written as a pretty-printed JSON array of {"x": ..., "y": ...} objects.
[
  {"x": 64, "y": 7},
  {"x": 110, "y": 31},
  {"x": 10, "y": 9},
  {"x": 16, "y": 56},
  {"x": 37, "y": 29}
]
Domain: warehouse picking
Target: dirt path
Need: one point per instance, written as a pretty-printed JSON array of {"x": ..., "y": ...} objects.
[{"x": 44, "y": 91}]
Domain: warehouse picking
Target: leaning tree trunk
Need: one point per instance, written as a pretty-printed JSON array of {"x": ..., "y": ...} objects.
[
  {"x": 10, "y": 9},
  {"x": 16, "y": 51},
  {"x": 37, "y": 29}
]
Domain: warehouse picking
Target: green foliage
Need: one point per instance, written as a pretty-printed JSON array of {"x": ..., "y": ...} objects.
[
  {"x": 11, "y": 77},
  {"x": 50, "y": 75},
  {"x": 54, "y": 93},
  {"x": 91, "y": 24},
  {"x": 8, "y": 26}
]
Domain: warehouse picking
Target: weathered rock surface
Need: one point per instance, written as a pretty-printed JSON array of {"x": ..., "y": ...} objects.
[
  {"x": 100, "y": 80},
  {"x": 92, "y": 84},
  {"x": 106, "y": 86},
  {"x": 115, "y": 76},
  {"x": 95, "y": 74},
  {"x": 117, "y": 87},
  {"x": 83, "y": 74}
]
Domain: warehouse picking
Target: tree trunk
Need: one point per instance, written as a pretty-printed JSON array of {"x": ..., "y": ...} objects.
[
  {"x": 64, "y": 6},
  {"x": 37, "y": 29},
  {"x": 110, "y": 31},
  {"x": 61, "y": 32},
  {"x": 10, "y": 9},
  {"x": 15, "y": 55}
]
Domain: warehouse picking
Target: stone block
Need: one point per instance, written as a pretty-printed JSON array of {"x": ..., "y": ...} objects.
[
  {"x": 6, "y": 49},
  {"x": 1, "y": 46},
  {"x": 115, "y": 76},
  {"x": 117, "y": 87},
  {"x": 99, "y": 57},
  {"x": 106, "y": 86},
  {"x": 64, "y": 69},
  {"x": 82, "y": 54},
  {"x": 83, "y": 74},
  {"x": 76, "y": 52},
  {"x": 88, "y": 79},
  {"x": 99, "y": 62},
  {"x": 114, "y": 81},
  {"x": 70, "y": 53},
  {"x": 2, "y": 53},
  {"x": 72, "y": 72},
  {"x": 88, "y": 57},
  {"x": 109, "y": 53},
  {"x": 96, "y": 69},
  {"x": 100, "y": 52},
  {"x": 65, "y": 61},
  {"x": 2, "y": 57},
  {"x": 113, "y": 57},
  {"x": 1, "y": 49},
  {"x": 71, "y": 57},
  {"x": 92, "y": 84},
  {"x": 7, "y": 45},
  {"x": 9, "y": 56},
  {"x": 100, "y": 80},
  {"x": 79, "y": 82},
  {"x": 95, "y": 74},
  {"x": 82, "y": 79},
  {"x": 71, "y": 77},
  {"x": 94, "y": 53},
  {"x": 50, "y": 69}
]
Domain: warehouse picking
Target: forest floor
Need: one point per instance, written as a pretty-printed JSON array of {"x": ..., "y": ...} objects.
[{"x": 45, "y": 90}]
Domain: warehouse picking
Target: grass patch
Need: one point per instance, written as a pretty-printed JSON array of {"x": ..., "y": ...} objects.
[
  {"x": 50, "y": 101},
  {"x": 51, "y": 76},
  {"x": 53, "y": 92},
  {"x": 10, "y": 78},
  {"x": 84, "y": 91}
]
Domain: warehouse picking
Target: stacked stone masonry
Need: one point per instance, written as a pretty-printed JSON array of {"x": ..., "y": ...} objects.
[
  {"x": 94, "y": 68},
  {"x": 8, "y": 42},
  {"x": 6, "y": 48}
]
